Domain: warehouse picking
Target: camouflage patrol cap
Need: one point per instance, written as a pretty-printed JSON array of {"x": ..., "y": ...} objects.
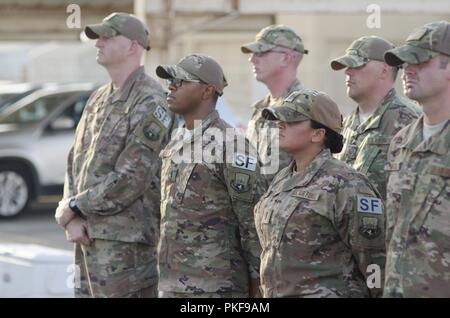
[
  {"x": 196, "y": 68},
  {"x": 422, "y": 45},
  {"x": 120, "y": 23},
  {"x": 361, "y": 51},
  {"x": 304, "y": 105},
  {"x": 273, "y": 36}
]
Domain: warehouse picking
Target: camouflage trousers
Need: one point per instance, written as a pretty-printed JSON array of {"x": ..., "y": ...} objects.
[
  {"x": 163, "y": 294},
  {"x": 115, "y": 269}
]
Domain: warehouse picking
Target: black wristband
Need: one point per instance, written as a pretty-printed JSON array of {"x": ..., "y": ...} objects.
[{"x": 74, "y": 207}]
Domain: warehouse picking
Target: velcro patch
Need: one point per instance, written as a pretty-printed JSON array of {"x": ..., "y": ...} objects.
[
  {"x": 369, "y": 205},
  {"x": 392, "y": 166},
  {"x": 306, "y": 195},
  {"x": 244, "y": 162},
  {"x": 161, "y": 114},
  {"x": 379, "y": 140},
  {"x": 439, "y": 170}
]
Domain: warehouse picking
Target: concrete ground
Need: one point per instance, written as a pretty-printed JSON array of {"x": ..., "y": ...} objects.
[{"x": 35, "y": 226}]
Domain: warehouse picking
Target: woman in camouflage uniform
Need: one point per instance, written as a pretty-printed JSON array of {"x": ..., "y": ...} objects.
[{"x": 321, "y": 223}]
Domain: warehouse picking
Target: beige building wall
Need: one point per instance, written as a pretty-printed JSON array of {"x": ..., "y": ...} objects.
[
  {"x": 328, "y": 35},
  {"x": 325, "y": 35},
  {"x": 225, "y": 48},
  {"x": 216, "y": 28}
]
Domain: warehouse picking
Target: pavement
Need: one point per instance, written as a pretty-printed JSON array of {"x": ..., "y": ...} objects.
[{"x": 35, "y": 226}]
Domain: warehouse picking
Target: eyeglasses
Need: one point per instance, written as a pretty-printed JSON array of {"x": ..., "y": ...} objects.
[
  {"x": 177, "y": 82},
  {"x": 261, "y": 54}
]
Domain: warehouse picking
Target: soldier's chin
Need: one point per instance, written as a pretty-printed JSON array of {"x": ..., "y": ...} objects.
[
  {"x": 283, "y": 147},
  {"x": 176, "y": 108},
  {"x": 100, "y": 61}
]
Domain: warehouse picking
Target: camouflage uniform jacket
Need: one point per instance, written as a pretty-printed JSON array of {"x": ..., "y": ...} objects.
[
  {"x": 257, "y": 125},
  {"x": 366, "y": 144},
  {"x": 113, "y": 166},
  {"x": 208, "y": 239},
  {"x": 319, "y": 230},
  {"x": 418, "y": 214}
]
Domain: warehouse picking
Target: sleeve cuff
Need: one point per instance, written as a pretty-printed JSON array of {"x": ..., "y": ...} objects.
[{"x": 82, "y": 201}]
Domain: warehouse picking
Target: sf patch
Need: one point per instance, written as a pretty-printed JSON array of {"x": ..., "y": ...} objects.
[
  {"x": 244, "y": 162},
  {"x": 241, "y": 183},
  {"x": 369, "y": 205},
  {"x": 163, "y": 117},
  {"x": 369, "y": 227},
  {"x": 152, "y": 131}
]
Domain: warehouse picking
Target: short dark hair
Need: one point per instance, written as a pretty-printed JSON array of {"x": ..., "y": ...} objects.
[
  {"x": 215, "y": 97},
  {"x": 395, "y": 70},
  {"x": 333, "y": 140}
]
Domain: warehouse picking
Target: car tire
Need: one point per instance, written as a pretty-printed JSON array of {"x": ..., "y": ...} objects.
[{"x": 15, "y": 190}]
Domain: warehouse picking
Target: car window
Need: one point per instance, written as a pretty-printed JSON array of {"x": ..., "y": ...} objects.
[
  {"x": 6, "y": 97},
  {"x": 74, "y": 111},
  {"x": 36, "y": 110}
]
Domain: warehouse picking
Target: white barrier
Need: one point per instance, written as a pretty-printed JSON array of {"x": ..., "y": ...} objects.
[{"x": 28, "y": 270}]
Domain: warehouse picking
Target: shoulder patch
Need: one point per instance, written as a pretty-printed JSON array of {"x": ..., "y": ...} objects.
[
  {"x": 244, "y": 162},
  {"x": 369, "y": 205},
  {"x": 241, "y": 183},
  {"x": 152, "y": 131},
  {"x": 370, "y": 228},
  {"x": 163, "y": 117}
]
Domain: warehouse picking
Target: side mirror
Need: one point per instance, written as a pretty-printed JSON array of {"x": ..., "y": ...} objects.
[{"x": 62, "y": 123}]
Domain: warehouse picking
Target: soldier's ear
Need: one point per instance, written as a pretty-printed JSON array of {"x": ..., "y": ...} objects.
[
  {"x": 318, "y": 135},
  {"x": 386, "y": 71},
  {"x": 135, "y": 47},
  {"x": 209, "y": 91}
]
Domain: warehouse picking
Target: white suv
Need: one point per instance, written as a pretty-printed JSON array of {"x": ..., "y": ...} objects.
[{"x": 35, "y": 136}]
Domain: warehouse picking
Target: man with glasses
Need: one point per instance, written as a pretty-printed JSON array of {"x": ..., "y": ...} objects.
[
  {"x": 275, "y": 55},
  {"x": 110, "y": 207},
  {"x": 209, "y": 186},
  {"x": 380, "y": 112}
]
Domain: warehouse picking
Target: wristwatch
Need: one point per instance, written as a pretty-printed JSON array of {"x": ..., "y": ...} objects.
[{"x": 73, "y": 206}]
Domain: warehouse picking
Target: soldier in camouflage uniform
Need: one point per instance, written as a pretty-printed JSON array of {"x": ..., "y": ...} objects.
[
  {"x": 208, "y": 245},
  {"x": 418, "y": 200},
  {"x": 275, "y": 55},
  {"x": 381, "y": 112},
  {"x": 320, "y": 223},
  {"x": 111, "y": 197}
]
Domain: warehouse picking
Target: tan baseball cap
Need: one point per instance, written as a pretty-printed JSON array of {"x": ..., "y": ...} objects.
[
  {"x": 273, "y": 36},
  {"x": 361, "y": 51},
  {"x": 195, "y": 67},
  {"x": 307, "y": 105},
  {"x": 120, "y": 23},
  {"x": 422, "y": 45}
]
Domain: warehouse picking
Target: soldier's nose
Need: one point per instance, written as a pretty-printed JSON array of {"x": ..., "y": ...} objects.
[{"x": 409, "y": 69}]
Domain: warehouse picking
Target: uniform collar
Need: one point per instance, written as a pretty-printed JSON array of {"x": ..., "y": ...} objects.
[
  {"x": 374, "y": 121},
  {"x": 206, "y": 122},
  {"x": 123, "y": 94},
  {"x": 303, "y": 178},
  {"x": 439, "y": 143},
  {"x": 185, "y": 136},
  {"x": 268, "y": 99}
]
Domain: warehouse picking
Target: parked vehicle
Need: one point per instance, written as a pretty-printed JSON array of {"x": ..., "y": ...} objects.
[
  {"x": 35, "y": 136},
  {"x": 11, "y": 93}
]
